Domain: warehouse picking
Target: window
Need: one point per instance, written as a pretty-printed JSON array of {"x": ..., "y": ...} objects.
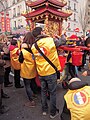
[
  {"x": 88, "y": 22},
  {"x": 18, "y": 0},
  {"x": 19, "y": 24},
  {"x": 88, "y": 13},
  {"x": 74, "y": 6},
  {"x": 6, "y": 4},
  {"x": 69, "y": 26},
  {"x": 74, "y": 17},
  {"x": 69, "y": 7},
  {"x": 14, "y": 24},
  {"x": 18, "y": 10},
  {"x": 13, "y": 1},
  {"x": 68, "y": 3},
  {"x": 69, "y": 18},
  {"x": 14, "y": 12}
]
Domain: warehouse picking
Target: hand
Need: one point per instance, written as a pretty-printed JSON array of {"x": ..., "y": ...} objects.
[
  {"x": 2, "y": 53},
  {"x": 84, "y": 73}
]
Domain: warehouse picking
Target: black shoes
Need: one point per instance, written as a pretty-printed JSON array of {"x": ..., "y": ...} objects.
[
  {"x": 5, "y": 96},
  {"x": 19, "y": 86},
  {"x": 8, "y": 85},
  {"x": 4, "y": 109}
]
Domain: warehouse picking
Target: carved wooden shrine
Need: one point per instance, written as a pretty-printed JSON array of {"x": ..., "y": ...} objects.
[{"x": 48, "y": 12}]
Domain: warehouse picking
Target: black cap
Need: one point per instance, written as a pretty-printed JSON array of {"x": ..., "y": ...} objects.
[{"x": 36, "y": 31}]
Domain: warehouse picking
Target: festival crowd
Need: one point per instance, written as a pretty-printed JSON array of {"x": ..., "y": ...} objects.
[{"x": 35, "y": 55}]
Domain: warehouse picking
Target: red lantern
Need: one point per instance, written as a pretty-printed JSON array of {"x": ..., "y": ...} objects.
[
  {"x": 77, "y": 58},
  {"x": 62, "y": 61}
]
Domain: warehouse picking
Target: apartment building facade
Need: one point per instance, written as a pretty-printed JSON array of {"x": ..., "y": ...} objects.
[
  {"x": 72, "y": 24},
  {"x": 14, "y": 8},
  {"x": 18, "y": 23},
  {"x": 88, "y": 15}
]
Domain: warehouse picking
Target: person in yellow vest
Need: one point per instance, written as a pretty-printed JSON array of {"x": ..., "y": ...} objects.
[
  {"x": 47, "y": 73},
  {"x": 77, "y": 101},
  {"x": 28, "y": 68},
  {"x": 14, "y": 55}
]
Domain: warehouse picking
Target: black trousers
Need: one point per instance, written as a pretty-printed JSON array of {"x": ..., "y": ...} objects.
[
  {"x": 17, "y": 78},
  {"x": 6, "y": 76},
  {"x": 71, "y": 70},
  {"x": 33, "y": 86},
  {"x": 0, "y": 97}
]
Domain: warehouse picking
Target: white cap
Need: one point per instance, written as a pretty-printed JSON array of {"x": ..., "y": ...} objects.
[{"x": 74, "y": 79}]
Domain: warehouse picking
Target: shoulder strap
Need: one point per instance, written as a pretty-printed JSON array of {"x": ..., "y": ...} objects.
[
  {"x": 29, "y": 50},
  {"x": 36, "y": 46}
]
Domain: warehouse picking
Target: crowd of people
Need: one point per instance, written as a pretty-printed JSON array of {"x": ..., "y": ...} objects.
[{"x": 37, "y": 55}]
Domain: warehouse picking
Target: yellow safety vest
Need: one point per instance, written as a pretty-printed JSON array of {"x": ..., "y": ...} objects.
[
  {"x": 78, "y": 102},
  {"x": 14, "y": 59},
  {"x": 19, "y": 43},
  {"x": 28, "y": 67},
  {"x": 49, "y": 49}
]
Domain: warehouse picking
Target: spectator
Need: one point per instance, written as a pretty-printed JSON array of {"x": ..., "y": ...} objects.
[
  {"x": 77, "y": 104},
  {"x": 7, "y": 66},
  {"x": 85, "y": 73},
  {"x": 3, "y": 108},
  {"x": 47, "y": 73},
  {"x": 14, "y": 55},
  {"x": 28, "y": 68},
  {"x": 2, "y": 40}
]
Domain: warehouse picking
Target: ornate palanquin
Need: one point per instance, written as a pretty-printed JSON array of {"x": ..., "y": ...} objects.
[{"x": 48, "y": 12}]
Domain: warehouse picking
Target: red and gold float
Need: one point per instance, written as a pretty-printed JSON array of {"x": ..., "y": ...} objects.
[{"x": 47, "y": 12}]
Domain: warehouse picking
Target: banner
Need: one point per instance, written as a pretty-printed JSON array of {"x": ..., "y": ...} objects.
[
  {"x": 2, "y": 24},
  {"x": 7, "y": 24}
]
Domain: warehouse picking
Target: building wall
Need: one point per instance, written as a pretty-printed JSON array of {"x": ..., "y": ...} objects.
[
  {"x": 72, "y": 22},
  {"x": 18, "y": 22},
  {"x": 3, "y": 5},
  {"x": 88, "y": 6}
]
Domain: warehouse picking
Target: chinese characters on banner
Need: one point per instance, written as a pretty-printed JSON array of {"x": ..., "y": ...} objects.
[
  {"x": 2, "y": 24},
  {"x": 5, "y": 23}
]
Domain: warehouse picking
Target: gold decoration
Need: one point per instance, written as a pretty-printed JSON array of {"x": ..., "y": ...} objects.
[
  {"x": 51, "y": 28},
  {"x": 52, "y": 16},
  {"x": 59, "y": 18},
  {"x": 37, "y": 17},
  {"x": 33, "y": 18},
  {"x": 55, "y": 17},
  {"x": 46, "y": 25},
  {"x": 41, "y": 16}
]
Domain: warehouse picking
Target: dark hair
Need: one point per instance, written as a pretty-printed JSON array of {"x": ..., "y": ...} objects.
[
  {"x": 36, "y": 31},
  {"x": 13, "y": 42},
  {"x": 29, "y": 38},
  {"x": 87, "y": 41}
]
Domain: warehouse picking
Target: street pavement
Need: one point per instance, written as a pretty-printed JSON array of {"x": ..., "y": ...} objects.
[{"x": 18, "y": 98}]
